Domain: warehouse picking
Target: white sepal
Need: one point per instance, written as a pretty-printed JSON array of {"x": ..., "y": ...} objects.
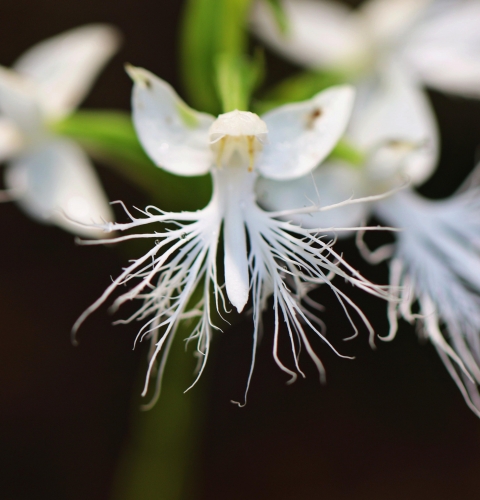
[
  {"x": 445, "y": 49},
  {"x": 19, "y": 102},
  {"x": 387, "y": 20},
  {"x": 11, "y": 139},
  {"x": 65, "y": 66},
  {"x": 320, "y": 33},
  {"x": 301, "y": 135},
  {"x": 56, "y": 183},
  {"x": 174, "y": 136}
]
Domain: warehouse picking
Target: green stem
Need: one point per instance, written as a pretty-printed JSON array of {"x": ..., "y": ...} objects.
[{"x": 160, "y": 461}]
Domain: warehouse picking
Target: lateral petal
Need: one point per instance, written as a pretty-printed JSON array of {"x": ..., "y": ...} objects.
[
  {"x": 65, "y": 66},
  {"x": 330, "y": 183},
  {"x": 173, "y": 135},
  {"x": 320, "y": 34},
  {"x": 301, "y": 135},
  {"x": 394, "y": 110},
  {"x": 55, "y": 182}
]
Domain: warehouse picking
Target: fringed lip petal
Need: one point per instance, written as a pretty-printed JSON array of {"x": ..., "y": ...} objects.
[
  {"x": 301, "y": 135},
  {"x": 56, "y": 183},
  {"x": 64, "y": 67},
  {"x": 330, "y": 183},
  {"x": 320, "y": 33},
  {"x": 174, "y": 135}
]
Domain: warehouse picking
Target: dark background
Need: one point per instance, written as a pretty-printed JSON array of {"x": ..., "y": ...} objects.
[{"x": 389, "y": 425}]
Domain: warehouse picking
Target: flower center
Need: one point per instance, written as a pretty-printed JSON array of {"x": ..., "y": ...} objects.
[{"x": 236, "y": 137}]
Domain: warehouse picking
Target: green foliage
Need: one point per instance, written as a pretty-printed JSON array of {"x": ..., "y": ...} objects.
[
  {"x": 279, "y": 15},
  {"x": 210, "y": 27},
  {"x": 346, "y": 152},
  {"x": 109, "y": 136},
  {"x": 236, "y": 78}
]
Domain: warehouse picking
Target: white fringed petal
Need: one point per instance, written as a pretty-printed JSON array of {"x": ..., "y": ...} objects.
[
  {"x": 445, "y": 49},
  {"x": 65, "y": 66},
  {"x": 330, "y": 183},
  {"x": 394, "y": 110},
  {"x": 321, "y": 33},
  {"x": 301, "y": 135},
  {"x": 56, "y": 183},
  {"x": 174, "y": 135}
]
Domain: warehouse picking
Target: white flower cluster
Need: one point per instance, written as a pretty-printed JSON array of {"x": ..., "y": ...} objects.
[
  {"x": 264, "y": 169},
  {"x": 391, "y": 49},
  {"x": 50, "y": 176}
]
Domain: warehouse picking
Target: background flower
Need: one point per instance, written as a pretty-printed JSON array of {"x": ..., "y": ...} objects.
[{"x": 50, "y": 176}]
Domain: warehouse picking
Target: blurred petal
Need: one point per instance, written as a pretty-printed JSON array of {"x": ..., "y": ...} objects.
[
  {"x": 57, "y": 179},
  {"x": 65, "y": 66},
  {"x": 174, "y": 135},
  {"x": 10, "y": 139},
  {"x": 388, "y": 19},
  {"x": 445, "y": 50},
  {"x": 392, "y": 110},
  {"x": 321, "y": 33},
  {"x": 332, "y": 182},
  {"x": 301, "y": 135},
  {"x": 19, "y": 102}
]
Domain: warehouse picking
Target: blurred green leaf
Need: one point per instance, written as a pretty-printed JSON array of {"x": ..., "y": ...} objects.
[
  {"x": 236, "y": 78},
  {"x": 210, "y": 27},
  {"x": 160, "y": 459},
  {"x": 109, "y": 136},
  {"x": 280, "y": 15},
  {"x": 348, "y": 153}
]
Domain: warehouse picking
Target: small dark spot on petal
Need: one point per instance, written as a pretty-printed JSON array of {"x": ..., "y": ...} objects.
[
  {"x": 148, "y": 83},
  {"x": 313, "y": 116}
]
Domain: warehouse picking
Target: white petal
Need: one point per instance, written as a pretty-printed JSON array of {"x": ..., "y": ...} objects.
[
  {"x": 301, "y": 135},
  {"x": 330, "y": 183},
  {"x": 56, "y": 179},
  {"x": 394, "y": 109},
  {"x": 65, "y": 66},
  {"x": 11, "y": 139},
  {"x": 236, "y": 257},
  {"x": 173, "y": 135},
  {"x": 386, "y": 20},
  {"x": 321, "y": 33},
  {"x": 445, "y": 49},
  {"x": 19, "y": 102}
]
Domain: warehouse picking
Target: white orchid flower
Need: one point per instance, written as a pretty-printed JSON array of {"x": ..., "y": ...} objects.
[
  {"x": 50, "y": 176},
  {"x": 436, "y": 258},
  {"x": 263, "y": 255},
  {"x": 436, "y": 40}
]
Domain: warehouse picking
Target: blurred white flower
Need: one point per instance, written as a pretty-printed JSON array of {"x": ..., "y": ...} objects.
[
  {"x": 438, "y": 41},
  {"x": 48, "y": 175},
  {"x": 436, "y": 258},
  {"x": 263, "y": 255}
]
